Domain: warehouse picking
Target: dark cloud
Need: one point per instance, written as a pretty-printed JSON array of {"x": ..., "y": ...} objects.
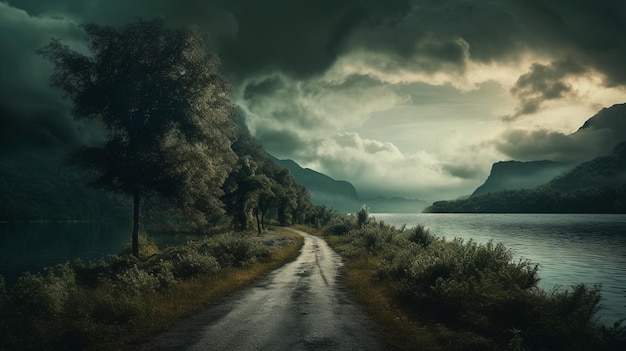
[
  {"x": 263, "y": 88},
  {"x": 597, "y": 137},
  {"x": 463, "y": 171},
  {"x": 31, "y": 113},
  {"x": 298, "y": 38},
  {"x": 543, "y": 83},
  {"x": 276, "y": 53},
  {"x": 280, "y": 143}
]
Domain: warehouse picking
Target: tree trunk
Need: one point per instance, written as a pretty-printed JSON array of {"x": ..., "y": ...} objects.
[
  {"x": 136, "y": 224},
  {"x": 258, "y": 221}
]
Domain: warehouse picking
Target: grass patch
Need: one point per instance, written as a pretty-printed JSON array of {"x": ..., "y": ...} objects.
[{"x": 120, "y": 303}]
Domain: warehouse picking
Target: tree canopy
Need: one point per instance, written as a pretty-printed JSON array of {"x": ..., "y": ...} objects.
[{"x": 164, "y": 107}]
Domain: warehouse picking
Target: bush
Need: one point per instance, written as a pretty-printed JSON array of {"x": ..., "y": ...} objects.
[
  {"x": 191, "y": 263},
  {"x": 234, "y": 250},
  {"x": 44, "y": 294},
  {"x": 420, "y": 235},
  {"x": 362, "y": 216},
  {"x": 340, "y": 225},
  {"x": 136, "y": 282}
]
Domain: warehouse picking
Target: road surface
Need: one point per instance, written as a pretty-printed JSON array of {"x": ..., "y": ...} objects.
[{"x": 300, "y": 306}]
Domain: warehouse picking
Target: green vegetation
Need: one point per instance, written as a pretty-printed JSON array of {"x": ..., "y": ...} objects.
[
  {"x": 544, "y": 199},
  {"x": 164, "y": 109},
  {"x": 118, "y": 302},
  {"x": 432, "y": 294}
]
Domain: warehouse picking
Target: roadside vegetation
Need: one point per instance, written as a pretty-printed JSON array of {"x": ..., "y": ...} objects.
[
  {"x": 119, "y": 302},
  {"x": 428, "y": 293}
]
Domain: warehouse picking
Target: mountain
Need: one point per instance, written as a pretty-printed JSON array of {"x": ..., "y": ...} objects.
[
  {"x": 512, "y": 175},
  {"x": 610, "y": 118},
  {"x": 596, "y": 186},
  {"x": 324, "y": 190},
  {"x": 605, "y": 171},
  {"x": 342, "y": 196}
]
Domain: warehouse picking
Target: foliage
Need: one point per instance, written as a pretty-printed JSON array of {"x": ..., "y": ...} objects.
[
  {"x": 86, "y": 304},
  {"x": 545, "y": 199},
  {"x": 476, "y": 288},
  {"x": 362, "y": 216},
  {"x": 258, "y": 190},
  {"x": 164, "y": 109}
]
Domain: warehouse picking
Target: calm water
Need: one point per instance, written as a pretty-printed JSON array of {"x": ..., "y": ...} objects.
[
  {"x": 31, "y": 246},
  {"x": 569, "y": 249}
]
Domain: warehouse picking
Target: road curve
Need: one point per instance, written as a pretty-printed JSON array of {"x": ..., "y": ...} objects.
[{"x": 300, "y": 306}]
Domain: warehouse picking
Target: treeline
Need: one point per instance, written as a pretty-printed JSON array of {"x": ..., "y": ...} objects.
[{"x": 544, "y": 199}]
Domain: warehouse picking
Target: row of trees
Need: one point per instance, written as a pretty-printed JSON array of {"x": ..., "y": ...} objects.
[
  {"x": 166, "y": 113},
  {"x": 259, "y": 188}
]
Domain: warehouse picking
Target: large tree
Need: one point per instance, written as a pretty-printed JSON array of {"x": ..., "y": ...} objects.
[{"x": 164, "y": 107}]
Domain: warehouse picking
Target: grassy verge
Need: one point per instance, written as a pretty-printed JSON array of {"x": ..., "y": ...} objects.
[
  {"x": 120, "y": 303},
  {"x": 426, "y": 293}
]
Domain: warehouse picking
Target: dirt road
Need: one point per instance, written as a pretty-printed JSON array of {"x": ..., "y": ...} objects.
[{"x": 300, "y": 306}]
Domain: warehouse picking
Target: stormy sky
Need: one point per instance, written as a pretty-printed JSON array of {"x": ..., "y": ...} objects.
[{"x": 401, "y": 98}]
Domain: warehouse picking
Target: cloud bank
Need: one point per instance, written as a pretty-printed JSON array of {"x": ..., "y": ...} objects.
[{"x": 400, "y": 97}]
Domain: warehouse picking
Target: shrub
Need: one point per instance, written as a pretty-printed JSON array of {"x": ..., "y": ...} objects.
[
  {"x": 191, "y": 263},
  {"x": 43, "y": 294},
  {"x": 420, "y": 235},
  {"x": 135, "y": 282},
  {"x": 234, "y": 250},
  {"x": 362, "y": 216},
  {"x": 340, "y": 225}
]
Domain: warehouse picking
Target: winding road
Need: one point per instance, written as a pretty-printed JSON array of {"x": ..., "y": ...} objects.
[{"x": 300, "y": 306}]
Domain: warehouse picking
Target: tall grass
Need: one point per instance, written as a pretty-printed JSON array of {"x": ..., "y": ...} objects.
[
  {"x": 118, "y": 302},
  {"x": 457, "y": 295}
]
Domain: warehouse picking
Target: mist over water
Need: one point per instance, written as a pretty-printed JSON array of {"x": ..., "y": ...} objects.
[{"x": 569, "y": 248}]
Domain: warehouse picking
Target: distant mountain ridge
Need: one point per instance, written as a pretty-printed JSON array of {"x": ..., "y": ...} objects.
[
  {"x": 324, "y": 190},
  {"x": 342, "y": 195},
  {"x": 596, "y": 186}
]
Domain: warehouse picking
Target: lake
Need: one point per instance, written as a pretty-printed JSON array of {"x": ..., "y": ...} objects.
[
  {"x": 569, "y": 248},
  {"x": 31, "y": 246}
]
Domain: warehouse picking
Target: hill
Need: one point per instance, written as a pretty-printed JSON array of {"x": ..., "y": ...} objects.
[
  {"x": 609, "y": 171},
  {"x": 342, "y": 195},
  {"x": 324, "y": 190},
  {"x": 596, "y": 186},
  {"x": 513, "y": 175}
]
